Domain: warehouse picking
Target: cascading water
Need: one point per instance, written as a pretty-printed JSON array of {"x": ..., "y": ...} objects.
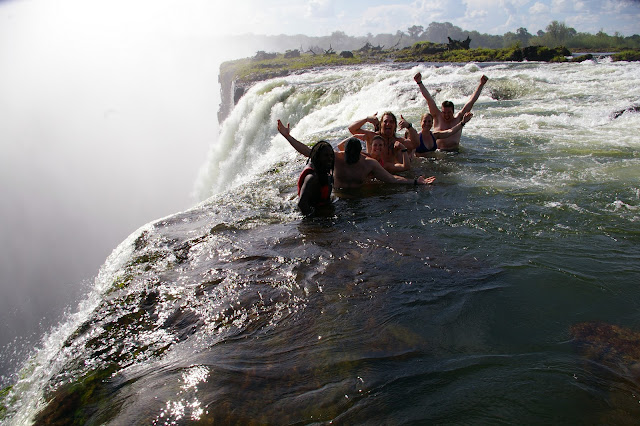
[{"x": 464, "y": 302}]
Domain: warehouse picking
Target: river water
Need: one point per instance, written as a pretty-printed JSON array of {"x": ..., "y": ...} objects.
[{"x": 507, "y": 292}]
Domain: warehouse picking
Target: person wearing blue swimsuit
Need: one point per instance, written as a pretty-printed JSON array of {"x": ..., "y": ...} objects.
[{"x": 428, "y": 143}]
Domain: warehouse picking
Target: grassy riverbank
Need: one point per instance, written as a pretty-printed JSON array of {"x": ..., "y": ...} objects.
[{"x": 265, "y": 66}]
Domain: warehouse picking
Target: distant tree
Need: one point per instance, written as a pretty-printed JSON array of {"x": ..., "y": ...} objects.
[
  {"x": 399, "y": 35},
  {"x": 520, "y": 38},
  {"x": 415, "y": 31},
  {"x": 523, "y": 36},
  {"x": 510, "y": 39},
  {"x": 558, "y": 34},
  {"x": 485, "y": 40},
  {"x": 338, "y": 38},
  {"x": 438, "y": 32}
]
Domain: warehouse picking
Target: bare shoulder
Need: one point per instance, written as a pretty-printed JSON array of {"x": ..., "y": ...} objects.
[{"x": 370, "y": 163}]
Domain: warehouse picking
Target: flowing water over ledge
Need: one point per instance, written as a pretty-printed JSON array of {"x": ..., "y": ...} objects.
[{"x": 506, "y": 292}]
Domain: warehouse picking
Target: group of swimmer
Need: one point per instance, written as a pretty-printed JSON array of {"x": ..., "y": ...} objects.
[{"x": 387, "y": 153}]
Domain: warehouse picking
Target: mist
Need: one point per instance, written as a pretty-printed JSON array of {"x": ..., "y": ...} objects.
[{"x": 104, "y": 125}]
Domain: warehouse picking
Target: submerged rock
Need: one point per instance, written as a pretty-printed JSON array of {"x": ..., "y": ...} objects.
[{"x": 610, "y": 345}]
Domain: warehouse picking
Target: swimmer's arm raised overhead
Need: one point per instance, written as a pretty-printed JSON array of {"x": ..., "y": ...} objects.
[
  {"x": 467, "y": 107},
  {"x": 381, "y": 174},
  {"x": 441, "y": 134},
  {"x": 296, "y": 144},
  {"x": 433, "y": 108}
]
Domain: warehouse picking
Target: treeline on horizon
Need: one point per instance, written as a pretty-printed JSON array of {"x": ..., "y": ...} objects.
[{"x": 555, "y": 34}]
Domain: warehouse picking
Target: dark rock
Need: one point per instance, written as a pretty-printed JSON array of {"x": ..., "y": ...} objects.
[
  {"x": 582, "y": 58},
  {"x": 631, "y": 109},
  {"x": 292, "y": 53},
  {"x": 544, "y": 54},
  {"x": 262, "y": 55},
  {"x": 459, "y": 45}
]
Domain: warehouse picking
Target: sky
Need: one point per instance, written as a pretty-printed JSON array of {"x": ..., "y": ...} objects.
[
  {"x": 108, "y": 110},
  {"x": 321, "y": 17}
]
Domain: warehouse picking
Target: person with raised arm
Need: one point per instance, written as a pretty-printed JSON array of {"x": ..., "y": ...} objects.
[
  {"x": 396, "y": 149},
  {"x": 428, "y": 137},
  {"x": 351, "y": 168},
  {"x": 377, "y": 153},
  {"x": 446, "y": 119}
]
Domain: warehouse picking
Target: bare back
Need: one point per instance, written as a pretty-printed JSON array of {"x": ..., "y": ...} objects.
[{"x": 351, "y": 175}]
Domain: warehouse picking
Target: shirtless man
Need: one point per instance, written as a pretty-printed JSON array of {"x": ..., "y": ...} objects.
[
  {"x": 396, "y": 155},
  {"x": 377, "y": 152},
  {"x": 351, "y": 167},
  {"x": 446, "y": 119}
]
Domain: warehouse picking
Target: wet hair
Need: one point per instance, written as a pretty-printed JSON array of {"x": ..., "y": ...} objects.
[
  {"x": 447, "y": 104},
  {"x": 428, "y": 114},
  {"x": 314, "y": 159},
  {"x": 352, "y": 150},
  {"x": 377, "y": 137},
  {"x": 392, "y": 115}
]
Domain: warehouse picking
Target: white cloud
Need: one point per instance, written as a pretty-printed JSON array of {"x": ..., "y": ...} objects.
[
  {"x": 320, "y": 9},
  {"x": 538, "y": 8},
  {"x": 562, "y": 6},
  {"x": 476, "y": 14},
  {"x": 388, "y": 18}
]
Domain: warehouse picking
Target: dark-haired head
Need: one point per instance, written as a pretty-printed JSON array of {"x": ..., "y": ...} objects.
[
  {"x": 323, "y": 164},
  {"x": 352, "y": 150},
  {"x": 447, "y": 104}
]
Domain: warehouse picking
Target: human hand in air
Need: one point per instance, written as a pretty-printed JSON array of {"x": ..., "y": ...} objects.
[
  {"x": 284, "y": 131},
  {"x": 484, "y": 79},
  {"x": 466, "y": 117},
  {"x": 425, "y": 181},
  {"x": 373, "y": 119},
  {"x": 403, "y": 124},
  {"x": 418, "y": 78}
]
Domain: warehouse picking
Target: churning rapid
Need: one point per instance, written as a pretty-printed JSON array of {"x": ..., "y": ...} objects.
[{"x": 505, "y": 292}]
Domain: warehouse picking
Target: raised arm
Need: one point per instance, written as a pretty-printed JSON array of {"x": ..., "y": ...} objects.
[
  {"x": 342, "y": 145},
  {"x": 296, "y": 144},
  {"x": 356, "y": 127},
  {"x": 467, "y": 107},
  {"x": 441, "y": 134},
  {"x": 433, "y": 108}
]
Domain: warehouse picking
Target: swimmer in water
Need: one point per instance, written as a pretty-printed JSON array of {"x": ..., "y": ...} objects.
[
  {"x": 395, "y": 155},
  {"x": 446, "y": 119},
  {"x": 351, "y": 168}
]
